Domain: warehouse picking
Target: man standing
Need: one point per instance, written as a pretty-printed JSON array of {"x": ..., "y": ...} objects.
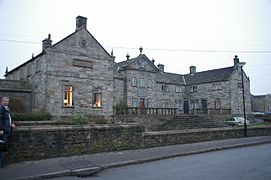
[{"x": 6, "y": 126}]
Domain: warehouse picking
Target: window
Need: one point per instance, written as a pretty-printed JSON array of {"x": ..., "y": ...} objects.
[
  {"x": 148, "y": 103},
  {"x": 38, "y": 66},
  {"x": 178, "y": 89},
  {"x": 68, "y": 96},
  {"x": 194, "y": 104},
  {"x": 29, "y": 70},
  {"x": 149, "y": 83},
  {"x": 165, "y": 88},
  {"x": 166, "y": 103},
  {"x": 178, "y": 104},
  {"x": 133, "y": 83},
  {"x": 97, "y": 99},
  {"x": 217, "y": 86},
  {"x": 141, "y": 82},
  {"x": 35, "y": 99},
  {"x": 22, "y": 74},
  {"x": 204, "y": 104},
  {"x": 134, "y": 102},
  {"x": 194, "y": 89},
  {"x": 217, "y": 103}
]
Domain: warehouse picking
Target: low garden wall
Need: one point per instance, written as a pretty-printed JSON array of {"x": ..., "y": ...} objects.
[{"x": 47, "y": 141}]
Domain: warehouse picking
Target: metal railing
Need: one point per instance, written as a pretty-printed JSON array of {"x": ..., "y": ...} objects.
[
  {"x": 166, "y": 111},
  {"x": 144, "y": 111},
  {"x": 211, "y": 111}
]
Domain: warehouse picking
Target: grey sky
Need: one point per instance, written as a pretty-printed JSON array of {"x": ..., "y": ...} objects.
[{"x": 176, "y": 33}]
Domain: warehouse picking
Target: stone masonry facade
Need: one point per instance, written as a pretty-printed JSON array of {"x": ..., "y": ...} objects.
[{"x": 78, "y": 76}]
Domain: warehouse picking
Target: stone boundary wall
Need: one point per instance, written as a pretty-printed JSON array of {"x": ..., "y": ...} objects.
[
  {"x": 32, "y": 143},
  {"x": 40, "y": 142},
  {"x": 174, "y": 122},
  {"x": 163, "y": 138}
]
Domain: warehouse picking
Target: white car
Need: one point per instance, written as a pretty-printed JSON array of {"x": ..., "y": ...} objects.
[{"x": 237, "y": 121}]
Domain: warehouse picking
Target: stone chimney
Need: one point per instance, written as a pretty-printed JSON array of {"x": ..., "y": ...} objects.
[
  {"x": 81, "y": 22},
  {"x": 153, "y": 61},
  {"x": 161, "y": 67},
  {"x": 236, "y": 60},
  {"x": 47, "y": 42},
  {"x": 193, "y": 70}
]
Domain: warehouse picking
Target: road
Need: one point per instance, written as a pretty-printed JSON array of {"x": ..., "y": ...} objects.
[{"x": 247, "y": 163}]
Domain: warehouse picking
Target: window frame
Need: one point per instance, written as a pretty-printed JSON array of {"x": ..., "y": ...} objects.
[
  {"x": 68, "y": 96},
  {"x": 178, "y": 89},
  {"x": 134, "y": 82},
  {"x": 218, "y": 103},
  {"x": 194, "y": 89},
  {"x": 165, "y": 88},
  {"x": 134, "y": 102},
  {"x": 141, "y": 82},
  {"x": 97, "y": 98}
]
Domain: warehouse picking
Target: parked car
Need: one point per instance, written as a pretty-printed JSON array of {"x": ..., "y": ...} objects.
[{"x": 237, "y": 121}]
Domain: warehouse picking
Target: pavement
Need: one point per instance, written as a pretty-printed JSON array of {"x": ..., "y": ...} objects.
[{"x": 86, "y": 165}]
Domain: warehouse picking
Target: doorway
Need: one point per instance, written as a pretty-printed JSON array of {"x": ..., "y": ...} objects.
[{"x": 185, "y": 107}]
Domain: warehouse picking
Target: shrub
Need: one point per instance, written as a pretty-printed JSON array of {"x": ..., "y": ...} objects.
[{"x": 79, "y": 119}]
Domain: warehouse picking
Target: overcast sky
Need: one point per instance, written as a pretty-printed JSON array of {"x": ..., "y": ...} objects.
[{"x": 176, "y": 33}]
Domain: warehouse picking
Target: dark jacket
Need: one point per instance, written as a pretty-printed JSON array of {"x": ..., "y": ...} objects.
[{"x": 4, "y": 120}]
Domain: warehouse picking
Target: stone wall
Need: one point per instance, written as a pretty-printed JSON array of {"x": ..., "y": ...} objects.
[
  {"x": 162, "y": 138},
  {"x": 32, "y": 143},
  {"x": 176, "y": 122},
  {"x": 19, "y": 93}
]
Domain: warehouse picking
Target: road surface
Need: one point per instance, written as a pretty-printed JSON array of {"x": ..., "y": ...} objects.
[{"x": 247, "y": 163}]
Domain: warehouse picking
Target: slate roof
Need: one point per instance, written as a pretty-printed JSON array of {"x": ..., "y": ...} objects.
[
  {"x": 215, "y": 75},
  {"x": 124, "y": 64},
  {"x": 170, "y": 78}
]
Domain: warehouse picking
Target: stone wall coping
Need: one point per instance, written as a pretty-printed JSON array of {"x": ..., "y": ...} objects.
[
  {"x": 155, "y": 133},
  {"x": 77, "y": 127}
]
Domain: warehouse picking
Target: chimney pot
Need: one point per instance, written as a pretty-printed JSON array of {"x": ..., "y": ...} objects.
[
  {"x": 236, "y": 60},
  {"x": 128, "y": 56},
  {"x": 81, "y": 22},
  {"x": 47, "y": 42},
  {"x": 161, "y": 67},
  {"x": 153, "y": 61},
  {"x": 193, "y": 69}
]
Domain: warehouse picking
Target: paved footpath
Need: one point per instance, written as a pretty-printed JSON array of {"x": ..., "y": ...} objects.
[{"x": 84, "y": 165}]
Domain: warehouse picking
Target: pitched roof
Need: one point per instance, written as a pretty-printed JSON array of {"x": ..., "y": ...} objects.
[
  {"x": 126, "y": 63},
  {"x": 43, "y": 52},
  {"x": 170, "y": 78},
  {"x": 215, "y": 75}
]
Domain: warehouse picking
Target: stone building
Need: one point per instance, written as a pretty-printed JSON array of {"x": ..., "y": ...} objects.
[
  {"x": 261, "y": 103},
  {"x": 78, "y": 76},
  {"x": 145, "y": 85}
]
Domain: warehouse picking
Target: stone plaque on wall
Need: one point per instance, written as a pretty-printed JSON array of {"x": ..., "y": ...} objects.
[{"x": 82, "y": 63}]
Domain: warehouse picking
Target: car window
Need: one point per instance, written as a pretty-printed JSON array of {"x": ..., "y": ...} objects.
[
  {"x": 240, "y": 119},
  {"x": 230, "y": 119}
]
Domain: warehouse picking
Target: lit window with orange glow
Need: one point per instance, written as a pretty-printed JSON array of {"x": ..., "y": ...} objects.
[
  {"x": 97, "y": 98},
  {"x": 68, "y": 96}
]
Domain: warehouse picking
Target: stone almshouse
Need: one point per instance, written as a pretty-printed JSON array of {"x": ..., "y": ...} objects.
[{"x": 77, "y": 75}]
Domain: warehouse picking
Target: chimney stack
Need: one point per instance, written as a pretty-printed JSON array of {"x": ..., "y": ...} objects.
[
  {"x": 161, "y": 67},
  {"x": 193, "y": 70},
  {"x": 236, "y": 60},
  {"x": 153, "y": 61},
  {"x": 81, "y": 22},
  {"x": 47, "y": 42}
]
